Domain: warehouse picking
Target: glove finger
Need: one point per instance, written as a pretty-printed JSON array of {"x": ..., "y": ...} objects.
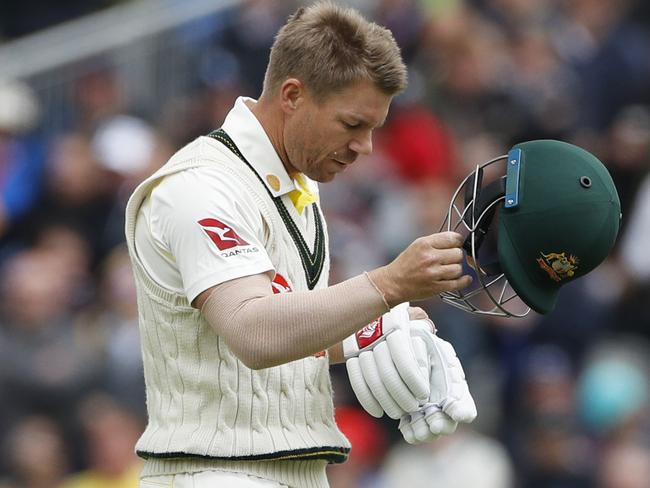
[
  {"x": 462, "y": 409},
  {"x": 399, "y": 344},
  {"x": 421, "y": 428},
  {"x": 406, "y": 429},
  {"x": 439, "y": 422},
  {"x": 421, "y": 355},
  {"x": 438, "y": 380},
  {"x": 459, "y": 404},
  {"x": 361, "y": 389},
  {"x": 373, "y": 379},
  {"x": 392, "y": 380}
]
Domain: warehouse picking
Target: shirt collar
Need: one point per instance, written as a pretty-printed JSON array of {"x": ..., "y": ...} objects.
[{"x": 251, "y": 139}]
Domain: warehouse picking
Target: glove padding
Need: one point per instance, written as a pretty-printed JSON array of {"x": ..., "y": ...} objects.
[
  {"x": 450, "y": 401},
  {"x": 385, "y": 372}
]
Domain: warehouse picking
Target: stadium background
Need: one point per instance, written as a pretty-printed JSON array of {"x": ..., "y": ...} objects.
[{"x": 96, "y": 94}]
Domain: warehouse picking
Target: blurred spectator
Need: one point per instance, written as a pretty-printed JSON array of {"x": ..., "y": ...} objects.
[
  {"x": 614, "y": 389},
  {"x": 35, "y": 454},
  {"x": 628, "y": 155},
  {"x": 124, "y": 145},
  {"x": 630, "y": 147},
  {"x": 77, "y": 194},
  {"x": 418, "y": 144},
  {"x": 98, "y": 94},
  {"x": 21, "y": 157},
  {"x": 536, "y": 68},
  {"x": 469, "y": 91},
  {"x": 405, "y": 20},
  {"x": 548, "y": 444},
  {"x": 110, "y": 434},
  {"x": 127, "y": 149},
  {"x": 556, "y": 455},
  {"x": 45, "y": 366},
  {"x": 611, "y": 55},
  {"x": 463, "y": 459},
  {"x": 252, "y": 46},
  {"x": 625, "y": 465}
]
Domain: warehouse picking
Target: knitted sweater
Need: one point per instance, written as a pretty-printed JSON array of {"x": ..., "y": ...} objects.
[{"x": 201, "y": 400}]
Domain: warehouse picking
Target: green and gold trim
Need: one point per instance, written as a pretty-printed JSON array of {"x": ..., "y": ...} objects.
[
  {"x": 312, "y": 262},
  {"x": 333, "y": 455}
]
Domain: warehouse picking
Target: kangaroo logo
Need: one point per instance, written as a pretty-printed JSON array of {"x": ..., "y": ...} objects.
[
  {"x": 223, "y": 236},
  {"x": 370, "y": 333},
  {"x": 280, "y": 285}
]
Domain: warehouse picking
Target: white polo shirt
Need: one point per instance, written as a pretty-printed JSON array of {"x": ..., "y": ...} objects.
[{"x": 198, "y": 228}]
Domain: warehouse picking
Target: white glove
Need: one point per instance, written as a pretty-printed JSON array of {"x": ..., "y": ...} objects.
[
  {"x": 383, "y": 368},
  {"x": 450, "y": 401}
]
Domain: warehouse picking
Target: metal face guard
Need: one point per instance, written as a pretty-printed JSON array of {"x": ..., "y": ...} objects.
[{"x": 472, "y": 212}]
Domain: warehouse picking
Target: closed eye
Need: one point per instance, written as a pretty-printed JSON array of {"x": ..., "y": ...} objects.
[{"x": 348, "y": 125}]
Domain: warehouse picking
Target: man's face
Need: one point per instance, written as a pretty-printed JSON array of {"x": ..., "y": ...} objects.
[{"x": 322, "y": 139}]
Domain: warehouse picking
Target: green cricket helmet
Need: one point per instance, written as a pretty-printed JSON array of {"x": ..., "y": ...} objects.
[{"x": 535, "y": 219}]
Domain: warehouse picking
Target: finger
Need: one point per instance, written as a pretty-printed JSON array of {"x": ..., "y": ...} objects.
[
  {"x": 361, "y": 389},
  {"x": 453, "y": 285},
  {"x": 446, "y": 240},
  {"x": 439, "y": 422},
  {"x": 421, "y": 355},
  {"x": 450, "y": 256},
  {"x": 392, "y": 380},
  {"x": 439, "y": 384},
  {"x": 403, "y": 356},
  {"x": 460, "y": 405},
  {"x": 421, "y": 429},
  {"x": 448, "y": 272},
  {"x": 461, "y": 410},
  {"x": 416, "y": 313},
  {"x": 406, "y": 429},
  {"x": 373, "y": 379}
]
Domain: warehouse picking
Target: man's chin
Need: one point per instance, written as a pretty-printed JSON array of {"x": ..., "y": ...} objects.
[{"x": 326, "y": 178}]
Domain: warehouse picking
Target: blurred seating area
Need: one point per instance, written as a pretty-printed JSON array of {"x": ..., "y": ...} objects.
[{"x": 563, "y": 399}]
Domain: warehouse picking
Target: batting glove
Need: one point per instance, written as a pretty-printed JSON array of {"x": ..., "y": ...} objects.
[
  {"x": 383, "y": 366},
  {"x": 450, "y": 401}
]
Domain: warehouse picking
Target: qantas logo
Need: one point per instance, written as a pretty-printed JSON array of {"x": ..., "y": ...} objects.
[
  {"x": 370, "y": 333},
  {"x": 223, "y": 236},
  {"x": 280, "y": 285}
]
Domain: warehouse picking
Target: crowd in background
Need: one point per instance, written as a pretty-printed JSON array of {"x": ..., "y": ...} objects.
[{"x": 562, "y": 398}]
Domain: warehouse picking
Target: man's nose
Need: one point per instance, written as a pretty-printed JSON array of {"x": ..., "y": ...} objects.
[{"x": 362, "y": 144}]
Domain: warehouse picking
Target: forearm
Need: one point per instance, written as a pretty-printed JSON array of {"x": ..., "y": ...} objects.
[
  {"x": 335, "y": 353},
  {"x": 265, "y": 330}
]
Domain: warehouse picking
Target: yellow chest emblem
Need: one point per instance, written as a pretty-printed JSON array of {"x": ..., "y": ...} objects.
[{"x": 558, "y": 265}]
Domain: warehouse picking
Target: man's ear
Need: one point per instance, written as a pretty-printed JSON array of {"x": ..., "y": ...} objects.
[{"x": 292, "y": 94}]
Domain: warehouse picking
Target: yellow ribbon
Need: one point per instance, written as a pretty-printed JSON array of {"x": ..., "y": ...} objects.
[{"x": 301, "y": 196}]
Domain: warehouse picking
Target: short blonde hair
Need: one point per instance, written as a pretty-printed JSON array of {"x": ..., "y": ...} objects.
[{"x": 329, "y": 47}]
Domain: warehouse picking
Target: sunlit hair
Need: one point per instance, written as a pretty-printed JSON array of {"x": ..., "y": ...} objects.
[{"x": 328, "y": 47}]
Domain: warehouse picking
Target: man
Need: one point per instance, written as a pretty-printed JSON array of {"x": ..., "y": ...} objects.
[{"x": 229, "y": 249}]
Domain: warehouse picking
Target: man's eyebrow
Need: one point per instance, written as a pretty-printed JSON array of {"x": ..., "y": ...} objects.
[
  {"x": 363, "y": 121},
  {"x": 368, "y": 124}
]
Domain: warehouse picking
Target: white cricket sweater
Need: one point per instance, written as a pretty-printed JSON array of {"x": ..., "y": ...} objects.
[{"x": 204, "y": 403}]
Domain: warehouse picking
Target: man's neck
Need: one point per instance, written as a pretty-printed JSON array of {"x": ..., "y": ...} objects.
[{"x": 272, "y": 121}]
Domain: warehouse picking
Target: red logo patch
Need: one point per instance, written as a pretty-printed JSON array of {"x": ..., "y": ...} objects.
[
  {"x": 370, "y": 333},
  {"x": 280, "y": 285},
  {"x": 223, "y": 236}
]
